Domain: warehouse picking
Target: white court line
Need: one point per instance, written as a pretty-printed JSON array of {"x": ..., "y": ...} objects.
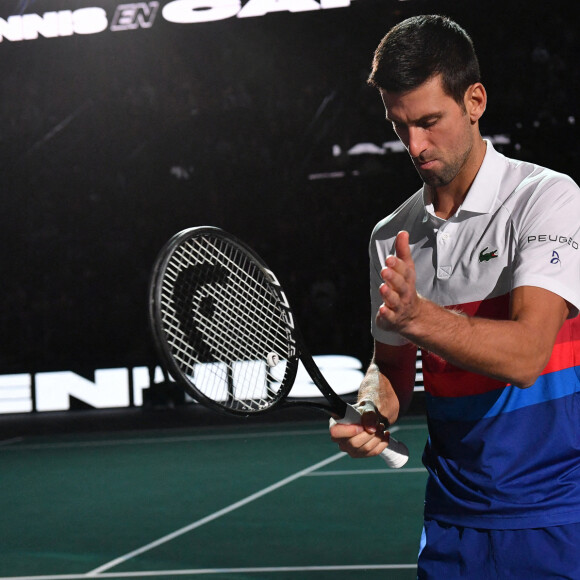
[
  {"x": 208, "y": 571},
  {"x": 98, "y": 571}
]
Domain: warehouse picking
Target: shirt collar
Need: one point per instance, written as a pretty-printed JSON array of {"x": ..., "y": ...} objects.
[{"x": 484, "y": 189}]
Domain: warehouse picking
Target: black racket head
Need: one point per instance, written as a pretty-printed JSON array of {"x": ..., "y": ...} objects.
[{"x": 221, "y": 322}]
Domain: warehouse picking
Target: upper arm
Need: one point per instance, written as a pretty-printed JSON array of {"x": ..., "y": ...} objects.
[
  {"x": 542, "y": 314},
  {"x": 547, "y": 253}
]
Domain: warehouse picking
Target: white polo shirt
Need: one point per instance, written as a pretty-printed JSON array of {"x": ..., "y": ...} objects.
[
  {"x": 488, "y": 465},
  {"x": 518, "y": 226}
]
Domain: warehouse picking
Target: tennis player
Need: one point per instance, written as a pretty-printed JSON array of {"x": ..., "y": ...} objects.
[{"x": 480, "y": 269}]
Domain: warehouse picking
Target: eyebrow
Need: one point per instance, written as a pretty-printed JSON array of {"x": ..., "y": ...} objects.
[{"x": 419, "y": 121}]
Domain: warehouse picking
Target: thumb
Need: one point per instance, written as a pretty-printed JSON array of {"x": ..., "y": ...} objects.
[{"x": 402, "y": 248}]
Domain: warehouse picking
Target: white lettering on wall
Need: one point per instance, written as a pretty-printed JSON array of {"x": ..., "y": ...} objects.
[
  {"x": 16, "y": 393},
  {"x": 142, "y": 381},
  {"x": 53, "y": 24},
  {"x": 263, "y": 7},
  {"x": 109, "y": 389},
  {"x": 131, "y": 16},
  {"x": 191, "y": 11},
  {"x": 89, "y": 20}
]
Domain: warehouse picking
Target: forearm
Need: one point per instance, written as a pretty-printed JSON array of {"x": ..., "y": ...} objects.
[
  {"x": 378, "y": 389},
  {"x": 514, "y": 351},
  {"x": 389, "y": 384},
  {"x": 390, "y": 380}
]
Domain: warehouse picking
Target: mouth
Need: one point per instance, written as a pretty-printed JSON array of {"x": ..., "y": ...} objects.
[{"x": 425, "y": 165}]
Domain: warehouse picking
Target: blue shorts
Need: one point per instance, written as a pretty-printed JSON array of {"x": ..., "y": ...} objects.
[{"x": 451, "y": 552}]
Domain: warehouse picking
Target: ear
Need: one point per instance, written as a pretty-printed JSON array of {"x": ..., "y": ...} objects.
[{"x": 475, "y": 101}]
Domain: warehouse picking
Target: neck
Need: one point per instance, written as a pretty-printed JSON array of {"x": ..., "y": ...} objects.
[{"x": 448, "y": 198}]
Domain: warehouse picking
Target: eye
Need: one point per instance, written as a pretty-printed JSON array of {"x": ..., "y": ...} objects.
[{"x": 429, "y": 123}]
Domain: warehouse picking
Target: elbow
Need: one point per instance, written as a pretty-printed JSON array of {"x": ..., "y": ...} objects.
[
  {"x": 530, "y": 373},
  {"x": 524, "y": 383}
]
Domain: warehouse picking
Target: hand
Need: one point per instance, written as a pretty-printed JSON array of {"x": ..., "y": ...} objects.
[
  {"x": 366, "y": 439},
  {"x": 400, "y": 299}
]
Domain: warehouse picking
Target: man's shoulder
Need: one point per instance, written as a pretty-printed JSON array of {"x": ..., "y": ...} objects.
[
  {"x": 530, "y": 179},
  {"x": 401, "y": 218},
  {"x": 529, "y": 190}
]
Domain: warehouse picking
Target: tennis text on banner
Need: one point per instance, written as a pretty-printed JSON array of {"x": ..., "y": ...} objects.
[
  {"x": 131, "y": 16},
  {"x": 115, "y": 388}
]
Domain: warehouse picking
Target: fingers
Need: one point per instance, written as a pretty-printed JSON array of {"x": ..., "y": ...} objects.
[
  {"x": 398, "y": 290},
  {"x": 399, "y": 268},
  {"x": 363, "y": 445},
  {"x": 398, "y": 286},
  {"x": 357, "y": 441},
  {"x": 398, "y": 281},
  {"x": 369, "y": 421}
]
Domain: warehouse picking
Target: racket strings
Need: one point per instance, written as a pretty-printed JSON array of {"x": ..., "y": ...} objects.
[
  {"x": 207, "y": 327},
  {"x": 233, "y": 307},
  {"x": 224, "y": 324},
  {"x": 256, "y": 299}
]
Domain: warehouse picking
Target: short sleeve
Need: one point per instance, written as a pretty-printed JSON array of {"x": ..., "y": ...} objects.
[{"x": 548, "y": 242}]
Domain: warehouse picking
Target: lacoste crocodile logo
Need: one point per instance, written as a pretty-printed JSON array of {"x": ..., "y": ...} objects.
[{"x": 485, "y": 256}]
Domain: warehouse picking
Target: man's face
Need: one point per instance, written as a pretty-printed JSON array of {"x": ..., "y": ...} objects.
[{"x": 434, "y": 128}]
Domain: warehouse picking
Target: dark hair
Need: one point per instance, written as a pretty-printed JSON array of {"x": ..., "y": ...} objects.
[{"x": 421, "y": 47}]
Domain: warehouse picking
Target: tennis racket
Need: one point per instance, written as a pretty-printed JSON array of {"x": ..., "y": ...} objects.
[{"x": 225, "y": 332}]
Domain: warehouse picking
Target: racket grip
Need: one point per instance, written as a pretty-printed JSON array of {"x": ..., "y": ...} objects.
[{"x": 396, "y": 454}]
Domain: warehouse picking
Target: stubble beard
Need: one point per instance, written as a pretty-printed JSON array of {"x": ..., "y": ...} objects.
[{"x": 448, "y": 173}]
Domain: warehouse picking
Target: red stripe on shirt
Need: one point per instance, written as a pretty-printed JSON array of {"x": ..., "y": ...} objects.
[
  {"x": 497, "y": 308},
  {"x": 442, "y": 379},
  {"x": 566, "y": 351},
  {"x": 456, "y": 382}
]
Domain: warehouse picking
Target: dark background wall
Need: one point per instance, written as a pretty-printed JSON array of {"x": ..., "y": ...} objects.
[{"x": 112, "y": 142}]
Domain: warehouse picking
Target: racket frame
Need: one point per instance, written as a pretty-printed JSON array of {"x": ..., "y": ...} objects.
[
  {"x": 395, "y": 455},
  {"x": 335, "y": 405}
]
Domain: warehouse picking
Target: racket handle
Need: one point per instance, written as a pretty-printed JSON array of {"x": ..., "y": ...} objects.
[{"x": 396, "y": 454}]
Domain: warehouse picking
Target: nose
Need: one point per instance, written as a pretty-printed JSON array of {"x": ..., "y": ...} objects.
[{"x": 416, "y": 142}]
